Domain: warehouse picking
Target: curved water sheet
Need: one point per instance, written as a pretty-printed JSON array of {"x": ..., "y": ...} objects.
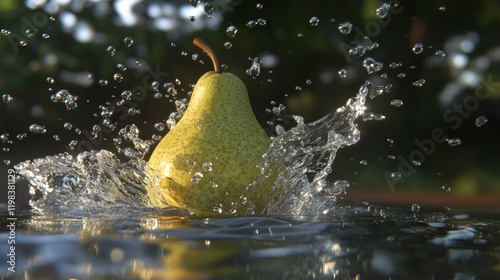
[
  {"x": 358, "y": 243},
  {"x": 97, "y": 183}
]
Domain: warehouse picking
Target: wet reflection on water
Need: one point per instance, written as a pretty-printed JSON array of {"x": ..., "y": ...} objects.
[{"x": 354, "y": 244}]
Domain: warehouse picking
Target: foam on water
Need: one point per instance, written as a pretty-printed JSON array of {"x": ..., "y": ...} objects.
[{"x": 94, "y": 182}]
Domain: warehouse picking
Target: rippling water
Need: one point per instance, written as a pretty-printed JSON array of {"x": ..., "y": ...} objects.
[{"x": 354, "y": 243}]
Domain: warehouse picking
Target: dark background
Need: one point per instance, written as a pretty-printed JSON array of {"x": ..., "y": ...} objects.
[{"x": 161, "y": 33}]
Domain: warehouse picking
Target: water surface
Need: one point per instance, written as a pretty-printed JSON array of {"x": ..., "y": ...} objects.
[{"x": 356, "y": 242}]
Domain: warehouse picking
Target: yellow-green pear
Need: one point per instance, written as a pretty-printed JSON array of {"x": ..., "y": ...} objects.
[{"x": 209, "y": 158}]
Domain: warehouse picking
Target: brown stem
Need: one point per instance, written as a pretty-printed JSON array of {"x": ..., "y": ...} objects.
[{"x": 200, "y": 43}]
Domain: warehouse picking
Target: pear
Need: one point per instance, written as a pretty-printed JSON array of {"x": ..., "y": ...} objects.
[{"x": 211, "y": 156}]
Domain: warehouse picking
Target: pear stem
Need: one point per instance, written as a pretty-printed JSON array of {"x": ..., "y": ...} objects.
[{"x": 200, "y": 43}]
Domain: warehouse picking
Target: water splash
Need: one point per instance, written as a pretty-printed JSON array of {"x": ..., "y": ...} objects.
[
  {"x": 303, "y": 157},
  {"x": 89, "y": 184},
  {"x": 94, "y": 182}
]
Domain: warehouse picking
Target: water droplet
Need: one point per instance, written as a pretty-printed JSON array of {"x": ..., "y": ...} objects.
[
  {"x": 50, "y": 80},
  {"x": 440, "y": 53},
  {"x": 251, "y": 24},
  {"x": 358, "y": 51},
  {"x": 52, "y": 18},
  {"x": 259, "y": 6},
  {"x": 195, "y": 3},
  {"x": 228, "y": 45},
  {"x": 218, "y": 208},
  {"x": 401, "y": 75},
  {"x": 196, "y": 177},
  {"x": 308, "y": 82},
  {"x": 107, "y": 111},
  {"x": 73, "y": 144},
  {"x": 68, "y": 126},
  {"x": 118, "y": 77},
  {"x": 345, "y": 27},
  {"x": 382, "y": 10},
  {"x": 111, "y": 50},
  {"x": 22, "y": 136},
  {"x": 56, "y": 137},
  {"x": 121, "y": 67},
  {"x": 298, "y": 88},
  {"x": 453, "y": 142},
  {"x": 5, "y": 32},
  {"x": 314, "y": 21},
  {"x": 23, "y": 43},
  {"x": 419, "y": 83},
  {"x": 261, "y": 22},
  {"x": 128, "y": 42},
  {"x": 45, "y": 36},
  {"x": 29, "y": 33},
  {"x": 442, "y": 8},
  {"x": 6, "y": 161},
  {"x": 418, "y": 48},
  {"x": 133, "y": 111},
  {"x": 126, "y": 95},
  {"x": 37, "y": 129},
  {"x": 65, "y": 97},
  {"x": 298, "y": 119},
  {"x": 396, "y": 176},
  {"x": 159, "y": 126},
  {"x": 103, "y": 82},
  {"x": 6, "y": 98},
  {"x": 395, "y": 64},
  {"x": 363, "y": 162},
  {"x": 194, "y": 56},
  {"x": 446, "y": 188},
  {"x": 192, "y": 18},
  {"x": 155, "y": 85},
  {"x": 280, "y": 129},
  {"x": 415, "y": 208},
  {"x": 231, "y": 31},
  {"x": 342, "y": 73},
  {"x": 209, "y": 10},
  {"x": 481, "y": 120},
  {"x": 208, "y": 166},
  {"x": 371, "y": 65},
  {"x": 254, "y": 70},
  {"x": 397, "y": 103},
  {"x": 4, "y": 137},
  {"x": 417, "y": 163}
]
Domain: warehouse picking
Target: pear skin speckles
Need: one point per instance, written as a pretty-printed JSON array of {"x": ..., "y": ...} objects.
[{"x": 218, "y": 127}]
